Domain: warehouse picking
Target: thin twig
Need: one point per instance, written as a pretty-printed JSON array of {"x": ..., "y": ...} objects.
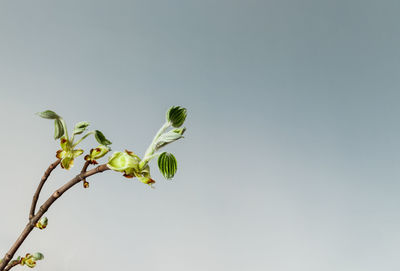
[
  {"x": 84, "y": 169},
  {"x": 85, "y": 166},
  {"x": 11, "y": 265},
  {"x": 40, "y": 186},
  {"x": 43, "y": 209}
]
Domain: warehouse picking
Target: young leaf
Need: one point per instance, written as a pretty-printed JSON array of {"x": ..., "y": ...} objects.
[
  {"x": 167, "y": 165},
  {"x": 80, "y": 127},
  {"x": 101, "y": 138},
  {"x": 176, "y": 115},
  {"x": 38, "y": 256},
  {"x": 58, "y": 129},
  {"x": 48, "y": 114},
  {"x": 169, "y": 137}
]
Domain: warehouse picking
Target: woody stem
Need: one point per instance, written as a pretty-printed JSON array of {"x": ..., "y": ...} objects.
[
  {"x": 43, "y": 209},
  {"x": 40, "y": 186}
]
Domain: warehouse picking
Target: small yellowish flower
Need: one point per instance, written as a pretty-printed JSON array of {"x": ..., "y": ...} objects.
[
  {"x": 97, "y": 153},
  {"x": 67, "y": 154},
  {"x": 28, "y": 260},
  {"x": 42, "y": 223}
]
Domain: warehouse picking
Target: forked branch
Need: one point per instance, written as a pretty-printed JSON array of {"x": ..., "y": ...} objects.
[
  {"x": 43, "y": 209},
  {"x": 41, "y": 184},
  {"x": 127, "y": 163}
]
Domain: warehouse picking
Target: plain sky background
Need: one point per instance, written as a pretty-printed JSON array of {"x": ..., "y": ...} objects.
[{"x": 292, "y": 151}]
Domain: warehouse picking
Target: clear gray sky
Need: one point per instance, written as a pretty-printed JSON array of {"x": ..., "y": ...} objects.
[{"x": 291, "y": 157}]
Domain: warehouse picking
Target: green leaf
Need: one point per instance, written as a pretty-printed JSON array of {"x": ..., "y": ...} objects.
[
  {"x": 176, "y": 115},
  {"x": 48, "y": 114},
  {"x": 167, "y": 165},
  {"x": 58, "y": 129},
  {"x": 101, "y": 138},
  {"x": 80, "y": 127},
  {"x": 169, "y": 137}
]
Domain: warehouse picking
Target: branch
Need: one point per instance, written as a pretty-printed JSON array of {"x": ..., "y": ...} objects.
[
  {"x": 85, "y": 166},
  {"x": 84, "y": 169},
  {"x": 43, "y": 209},
  {"x": 39, "y": 188},
  {"x": 11, "y": 265}
]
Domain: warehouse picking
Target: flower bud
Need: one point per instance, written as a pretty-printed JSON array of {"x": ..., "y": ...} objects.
[{"x": 42, "y": 223}]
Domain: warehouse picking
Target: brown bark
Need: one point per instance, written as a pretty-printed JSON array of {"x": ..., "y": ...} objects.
[
  {"x": 84, "y": 169},
  {"x": 43, "y": 209},
  {"x": 39, "y": 188},
  {"x": 11, "y": 265}
]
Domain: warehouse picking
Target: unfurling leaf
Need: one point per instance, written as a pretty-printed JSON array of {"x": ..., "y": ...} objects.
[
  {"x": 176, "y": 115},
  {"x": 48, "y": 114},
  {"x": 80, "y": 127},
  {"x": 101, "y": 138},
  {"x": 38, "y": 256},
  {"x": 169, "y": 137},
  {"x": 58, "y": 129},
  {"x": 167, "y": 165}
]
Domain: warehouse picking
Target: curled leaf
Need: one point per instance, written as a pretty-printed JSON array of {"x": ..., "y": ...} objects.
[
  {"x": 169, "y": 137},
  {"x": 48, "y": 114},
  {"x": 101, "y": 138},
  {"x": 58, "y": 129},
  {"x": 80, "y": 127}
]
